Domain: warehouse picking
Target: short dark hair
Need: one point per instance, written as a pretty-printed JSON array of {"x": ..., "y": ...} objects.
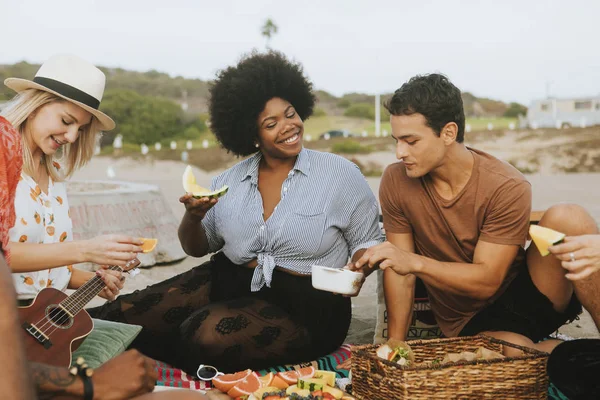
[
  {"x": 432, "y": 96},
  {"x": 240, "y": 92}
]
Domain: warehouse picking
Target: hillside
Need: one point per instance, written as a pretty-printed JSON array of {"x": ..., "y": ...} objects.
[{"x": 194, "y": 92}]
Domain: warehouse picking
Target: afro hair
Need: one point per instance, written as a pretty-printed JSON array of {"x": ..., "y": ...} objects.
[{"x": 239, "y": 95}]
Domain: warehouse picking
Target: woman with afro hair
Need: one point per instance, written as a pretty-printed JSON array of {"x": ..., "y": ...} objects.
[{"x": 253, "y": 305}]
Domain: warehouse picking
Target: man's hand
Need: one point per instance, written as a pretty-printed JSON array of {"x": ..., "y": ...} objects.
[
  {"x": 128, "y": 375},
  {"x": 384, "y": 256}
]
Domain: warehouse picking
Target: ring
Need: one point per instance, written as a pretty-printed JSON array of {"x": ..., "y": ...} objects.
[{"x": 572, "y": 255}]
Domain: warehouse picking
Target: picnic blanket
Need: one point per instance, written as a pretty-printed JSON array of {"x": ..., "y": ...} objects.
[{"x": 173, "y": 377}]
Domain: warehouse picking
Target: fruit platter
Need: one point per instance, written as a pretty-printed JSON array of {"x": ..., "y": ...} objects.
[{"x": 303, "y": 384}]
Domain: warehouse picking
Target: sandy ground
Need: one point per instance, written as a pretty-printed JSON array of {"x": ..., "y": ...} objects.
[{"x": 548, "y": 190}]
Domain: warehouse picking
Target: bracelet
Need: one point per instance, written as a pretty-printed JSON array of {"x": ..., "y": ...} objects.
[{"x": 81, "y": 369}]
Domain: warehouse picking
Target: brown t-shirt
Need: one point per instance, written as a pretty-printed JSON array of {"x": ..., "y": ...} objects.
[{"x": 494, "y": 206}]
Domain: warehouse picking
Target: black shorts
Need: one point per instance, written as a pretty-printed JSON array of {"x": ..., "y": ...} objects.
[{"x": 522, "y": 309}]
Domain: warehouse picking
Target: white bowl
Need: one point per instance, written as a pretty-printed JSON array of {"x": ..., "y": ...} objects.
[{"x": 336, "y": 280}]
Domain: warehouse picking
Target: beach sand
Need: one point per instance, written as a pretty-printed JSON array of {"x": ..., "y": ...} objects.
[{"x": 547, "y": 190}]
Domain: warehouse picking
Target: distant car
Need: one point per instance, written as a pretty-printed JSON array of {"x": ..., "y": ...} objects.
[{"x": 336, "y": 133}]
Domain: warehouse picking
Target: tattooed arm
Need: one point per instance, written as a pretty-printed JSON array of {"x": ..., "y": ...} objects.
[{"x": 53, "y": 381}]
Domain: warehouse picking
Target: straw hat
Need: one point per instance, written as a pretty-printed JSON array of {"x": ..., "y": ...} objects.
[{"x": 71, "y": 78}]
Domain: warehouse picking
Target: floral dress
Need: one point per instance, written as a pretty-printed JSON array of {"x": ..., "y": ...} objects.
[
  {"x": 41, "y": 218},
  {"x": 11, "y": 160}
]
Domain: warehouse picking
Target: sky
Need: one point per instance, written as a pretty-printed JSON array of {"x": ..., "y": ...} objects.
[{"x": 510, "y": 50}]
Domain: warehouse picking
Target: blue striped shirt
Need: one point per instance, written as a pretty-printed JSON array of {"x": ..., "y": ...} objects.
[{"x": 326, "y": 213}]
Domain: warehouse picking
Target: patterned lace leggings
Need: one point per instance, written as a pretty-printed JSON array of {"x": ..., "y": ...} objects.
[{"x": 208, "y": 315}]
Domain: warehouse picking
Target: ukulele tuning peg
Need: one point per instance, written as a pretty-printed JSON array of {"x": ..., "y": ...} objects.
[
  {"x": 134, "y": 272},
  {"x": 80, "y": 360}
]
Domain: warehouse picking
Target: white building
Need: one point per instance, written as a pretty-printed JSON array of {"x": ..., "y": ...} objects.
[{"x": 562, "y": 113}]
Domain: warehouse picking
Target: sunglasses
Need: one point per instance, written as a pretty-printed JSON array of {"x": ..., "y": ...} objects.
[{"x": 207, "y": 372}]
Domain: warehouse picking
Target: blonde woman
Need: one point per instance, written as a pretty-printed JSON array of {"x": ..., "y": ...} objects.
[{"x": 58, "y": 118}]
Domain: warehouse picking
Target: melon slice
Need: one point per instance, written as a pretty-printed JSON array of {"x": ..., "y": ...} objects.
[
  {"x": 148, "y": 245},
  {"x": 544, "y": 238},
  {"x": 328, "y": 376},
  {"x": 190, "y": 186}
]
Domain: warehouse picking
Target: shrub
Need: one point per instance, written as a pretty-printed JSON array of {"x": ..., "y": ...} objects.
[
  {"x": 319, "y": 112},
  {"x": 191, "y": 133},
  {"x": 344, "y": 103},
  {"x": 350, "y": 147},
  {"x": 360, "y": 110},
  {"x": 366, "y": 111}
]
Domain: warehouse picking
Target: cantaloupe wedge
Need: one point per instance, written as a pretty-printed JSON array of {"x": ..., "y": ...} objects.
[
  {"x": 544, "y": 238},
  {"x": 148, "y": 245},
  {"x": 190, "y": 186}
]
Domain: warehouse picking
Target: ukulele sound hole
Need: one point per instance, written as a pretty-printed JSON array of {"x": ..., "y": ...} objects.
[{"x": 58, "y": 317}]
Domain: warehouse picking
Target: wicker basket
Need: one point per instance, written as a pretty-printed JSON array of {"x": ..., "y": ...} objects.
[{"x": 521, "y": 377}]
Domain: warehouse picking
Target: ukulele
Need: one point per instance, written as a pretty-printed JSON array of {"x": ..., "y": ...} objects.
[{"x": 55, "y": 324}]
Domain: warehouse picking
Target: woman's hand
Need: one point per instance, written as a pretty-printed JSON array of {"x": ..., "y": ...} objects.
[
  {"x": 113, "y": 280},
  {"x": 112, "y": 249},
  {"x": 580, "y": 255},
  {"x": 197, "y": 207}
]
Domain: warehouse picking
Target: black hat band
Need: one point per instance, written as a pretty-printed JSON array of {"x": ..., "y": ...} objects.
[{"x": 68, "y": 91}]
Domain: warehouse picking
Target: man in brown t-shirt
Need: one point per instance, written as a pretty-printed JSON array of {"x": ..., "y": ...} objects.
[{"x": 458, "y": 218}]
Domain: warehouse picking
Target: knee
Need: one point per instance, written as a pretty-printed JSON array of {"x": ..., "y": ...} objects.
[
  {"x": 571, "y": 219},
  {"x": 206, "y": 330}
]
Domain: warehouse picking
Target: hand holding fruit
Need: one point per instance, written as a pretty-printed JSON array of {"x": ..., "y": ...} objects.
[
  {"x": 114, "y": 249},
  {"x": 580, "y": 255},
  {"x": 197, "y": 207}
]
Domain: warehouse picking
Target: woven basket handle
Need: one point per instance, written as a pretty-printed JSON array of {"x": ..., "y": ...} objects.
[{"x": 375, "y": 366}]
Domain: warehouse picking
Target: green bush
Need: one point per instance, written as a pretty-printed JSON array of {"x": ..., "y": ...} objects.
[
  {"x": 360, "y": 110},
  {"x": 344, "y": 103},
  {"x": 197, "y": 121},
  {"x": 319, "y": 112},
  {"x": 366, "y": 111},
  {"x": 142, "y": 119},
  {"x": 191, "y": 133},
  {"x": 128, "y": 148},
  {"x": 514, "y": 110},
  {"x": 350, "y": 147}
]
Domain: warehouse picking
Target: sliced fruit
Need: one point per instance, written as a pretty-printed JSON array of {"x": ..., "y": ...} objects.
[
  {"x": 290, "y": 377},
  {"x": 266, "y": 380},
  {"x": 328, "y": 376},
  {"x": 336, "y": 393},
  {"x": 190, "y": 186},
  {"x": 544, "y": 238},
  {"x": 148, "y": 245},
  {"x": 249, "y": 385},
  {"x": 295, "y": 389},
  {"x": 306, "y": 372},
  {"x": 225, "y": 382},
  {"x": 267, "y": 389},
  {"x": 278, "y": 382},
  {"x": 311, "y": 384}
]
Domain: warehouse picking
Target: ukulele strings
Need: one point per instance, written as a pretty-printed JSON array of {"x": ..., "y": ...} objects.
[
  {"x": 50, "y": 319},
  {"x": 91, "y": 286}
]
